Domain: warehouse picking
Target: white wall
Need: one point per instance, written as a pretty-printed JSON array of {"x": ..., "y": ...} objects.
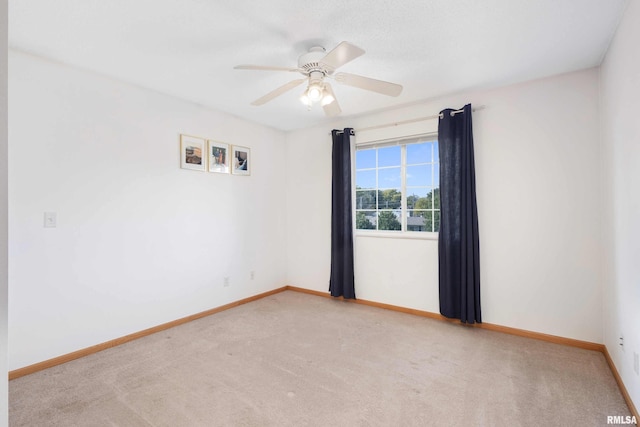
[
  {"x": 139, "y": 241},
  {"x": 4, "y": 406},
  {"x": 539, "y": 209},
  {"x": 620, "y": 90}
]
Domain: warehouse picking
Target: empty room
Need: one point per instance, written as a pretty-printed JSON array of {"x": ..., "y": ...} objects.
[{"x": 382, "y": 213}]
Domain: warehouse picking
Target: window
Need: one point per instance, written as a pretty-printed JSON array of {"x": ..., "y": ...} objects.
[{"x": 397, "y": 185}]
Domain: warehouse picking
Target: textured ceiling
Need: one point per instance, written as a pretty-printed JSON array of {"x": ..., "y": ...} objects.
[{"x": 188, "y": 48}]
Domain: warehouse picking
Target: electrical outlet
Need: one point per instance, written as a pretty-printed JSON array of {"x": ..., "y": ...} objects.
[
  {"x": 621, "y": 342},
  {"x": 226, "y": 281},
  {"x": 636, "y": 363}
]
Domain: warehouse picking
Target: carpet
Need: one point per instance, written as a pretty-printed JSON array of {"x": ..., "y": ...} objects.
[{"x": 293, "y": 359}]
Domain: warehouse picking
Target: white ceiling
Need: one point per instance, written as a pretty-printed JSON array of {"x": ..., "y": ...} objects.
[{"x": 188, "y": 48}]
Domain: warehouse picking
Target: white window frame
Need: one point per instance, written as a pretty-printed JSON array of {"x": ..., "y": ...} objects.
[{"x": 403, "y": 233}]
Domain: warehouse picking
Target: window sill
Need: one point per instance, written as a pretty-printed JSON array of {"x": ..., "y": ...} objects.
[{"x": 412, "y": 235}]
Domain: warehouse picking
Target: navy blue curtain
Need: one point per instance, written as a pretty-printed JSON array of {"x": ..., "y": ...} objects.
[
  {"x": 341, "y": 282},
  {"x": 458, "y": 240}
]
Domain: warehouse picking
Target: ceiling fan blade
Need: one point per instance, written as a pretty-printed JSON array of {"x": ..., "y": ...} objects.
[
  {"x": 332, "y": 109},
  {"x": 275, "y": 93},
  {"x": 264, "y": 68},
  {"x": 341, "y": 54},
  {"x": 366, "y": 83}
]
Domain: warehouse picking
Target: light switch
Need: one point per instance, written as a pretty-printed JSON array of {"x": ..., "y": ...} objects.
[{"x": 50, "y": 220}]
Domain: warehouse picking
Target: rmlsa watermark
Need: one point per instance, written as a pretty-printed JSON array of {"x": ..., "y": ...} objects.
[{"x": 622, "y": 419}]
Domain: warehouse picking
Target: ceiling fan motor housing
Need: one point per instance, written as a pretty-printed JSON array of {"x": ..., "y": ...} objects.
[{"x": 310, "y": 61}]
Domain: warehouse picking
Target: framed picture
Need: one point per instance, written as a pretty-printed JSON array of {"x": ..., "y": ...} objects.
[
  {"x": 192, "y": 151},
  {"x": 218, "y": 157},
  {"x": 241, "y": 160}
]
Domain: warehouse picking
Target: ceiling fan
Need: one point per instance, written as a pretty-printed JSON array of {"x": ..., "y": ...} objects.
[{"x": 315, "y": 65}]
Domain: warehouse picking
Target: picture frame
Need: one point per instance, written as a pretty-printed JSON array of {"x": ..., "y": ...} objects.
[
  {"x": 218, "y": 156},
  {"x": 241, "y": 160},
  {"x": 192, "y": 153}
]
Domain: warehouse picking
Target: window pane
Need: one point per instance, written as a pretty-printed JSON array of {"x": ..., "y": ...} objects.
[
  {"x": 418, "y": 176},
  {"x": 419, "y": 191},
  {"x": 366, "y": 220},
  {"x": 389, "y": 178},
  {"x": 389, "y": 199},
  {"x": 414, "y": 194},
  {"x": 419, "y": 220},
  {"x": 389, "y": 156},
  {"x": 419, "y": 153},
  {"x": 379, "y": 179},
  {"x": 366, "y": 199},
  {"x": 389, "y": 220},
  {"x": 365, "y": 159},
  {"x": 422, "y": 198},
  {"x": 366, "y": 179}
]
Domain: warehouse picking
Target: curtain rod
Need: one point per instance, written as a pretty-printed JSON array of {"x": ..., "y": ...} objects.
[{"x": 420, "y": 119}]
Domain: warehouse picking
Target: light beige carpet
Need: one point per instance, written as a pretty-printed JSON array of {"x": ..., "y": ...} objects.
[{"x": 293, "y": 359}]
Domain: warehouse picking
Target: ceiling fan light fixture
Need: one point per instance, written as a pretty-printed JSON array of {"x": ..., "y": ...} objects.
[
  {"x": 315, "y": 92},
  {"x": 327, "y": 99},
  {"x": 305, "y": 99}
]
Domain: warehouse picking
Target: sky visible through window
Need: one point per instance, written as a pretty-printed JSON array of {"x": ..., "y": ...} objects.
[{"x": 389, "y": 167}]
